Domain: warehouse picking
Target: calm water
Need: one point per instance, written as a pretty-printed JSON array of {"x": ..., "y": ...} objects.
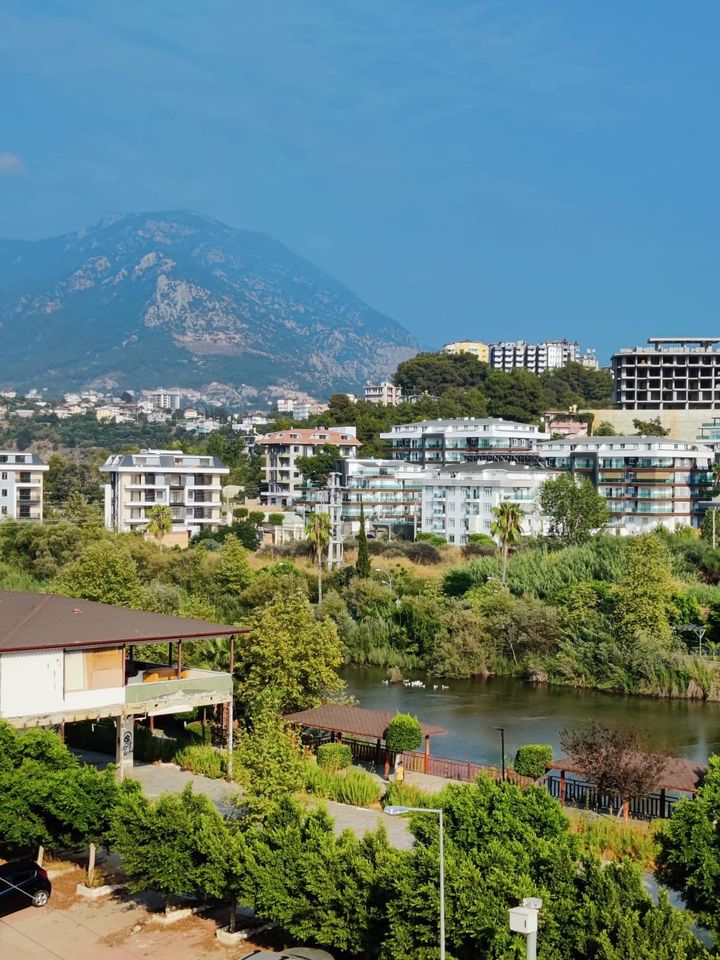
[{"x": 470, "y": 710}]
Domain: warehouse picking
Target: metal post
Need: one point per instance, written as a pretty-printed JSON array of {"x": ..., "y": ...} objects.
[
  {"x": 531, "y": 946},
  {"x": 502, "y": 748},
  {"x": 230, "y": 742},
  {"x": 713, "y": 529},
  {"x": 442, "y": 887}
]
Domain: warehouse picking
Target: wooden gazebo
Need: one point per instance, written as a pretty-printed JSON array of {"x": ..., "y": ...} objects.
[{"x": 341, "y": 721}]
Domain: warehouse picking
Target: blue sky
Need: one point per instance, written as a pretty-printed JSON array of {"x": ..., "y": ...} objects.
[{"x": 531, "y": 168}]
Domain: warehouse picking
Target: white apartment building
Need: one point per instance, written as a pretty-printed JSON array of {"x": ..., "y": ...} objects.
[
  {"x": 21, "y": 485},
  {"x": 536, "y": 357},
  {"x": 671, "y": 374},
  {"x": 466, "y": 440},
  {"x": 384, "y": 393},
  {"x": 283, "y": 481},
  {"x": 647, "y": 481},
  {"x": 190, "y": 485},
  {"x": 458, "y": 501},
  {"x": 164, "y": 399},
  {"x": 476, "y": 347}
]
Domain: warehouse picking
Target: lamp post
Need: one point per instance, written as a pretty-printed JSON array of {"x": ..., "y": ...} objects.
[
  {"x": 398, "y": 811},
  {"x": 524, "y": 920},
  {"x": 502, "y": 748}
]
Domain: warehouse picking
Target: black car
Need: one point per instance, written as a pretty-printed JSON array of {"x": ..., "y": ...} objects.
[{"x": 22, "y": 883}]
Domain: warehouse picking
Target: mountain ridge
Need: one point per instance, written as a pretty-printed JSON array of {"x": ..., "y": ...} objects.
[{"x": 174, "y": 296}]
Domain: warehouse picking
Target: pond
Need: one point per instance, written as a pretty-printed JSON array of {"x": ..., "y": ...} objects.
[{"x": 471, "y": 710}]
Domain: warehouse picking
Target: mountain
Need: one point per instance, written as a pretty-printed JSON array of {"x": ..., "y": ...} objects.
[{"x": 178, "y": 299}]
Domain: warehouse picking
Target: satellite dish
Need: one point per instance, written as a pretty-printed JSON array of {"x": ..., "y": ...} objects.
[{"x": 231, "y": 491}]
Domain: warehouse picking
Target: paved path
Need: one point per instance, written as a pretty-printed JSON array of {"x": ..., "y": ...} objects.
[{"x": 157, "y": 778}]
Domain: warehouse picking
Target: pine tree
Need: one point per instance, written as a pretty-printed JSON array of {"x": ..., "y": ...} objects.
[{"x": 363, "y": 567}]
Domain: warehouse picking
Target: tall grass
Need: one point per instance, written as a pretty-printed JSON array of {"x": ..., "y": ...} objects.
[
  {"x": 613, "y": 839},
  {"x": 355, "y": 787}
]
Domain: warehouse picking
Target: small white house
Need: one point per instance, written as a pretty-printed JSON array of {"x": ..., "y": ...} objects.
[{"x": 64, "y": 660}]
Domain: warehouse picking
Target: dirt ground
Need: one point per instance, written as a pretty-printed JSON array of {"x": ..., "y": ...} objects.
[{"x": 117, "y": 927}]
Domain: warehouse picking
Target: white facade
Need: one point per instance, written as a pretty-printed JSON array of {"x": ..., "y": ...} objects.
[
  {"x": 466, "y": 440},
  {"x": 283, "y": 481},
  {"x": 536, "y": 357},
  {"x": 190, "y": 485},
  {"x": 647, "y": 481},
  {"x": 384, "y": 393},
  {"x": 459, "y": 501},
  {"x": 165, "y": 399},
  {"x": 21, "y": 485}
]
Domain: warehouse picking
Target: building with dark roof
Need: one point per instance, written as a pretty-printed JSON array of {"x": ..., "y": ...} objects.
[
  {"x": 190, "y": 485},
  {"x": 21, "y": 485}
]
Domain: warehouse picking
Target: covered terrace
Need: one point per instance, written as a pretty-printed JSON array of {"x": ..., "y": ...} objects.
[{"x": 345, "y": 723}]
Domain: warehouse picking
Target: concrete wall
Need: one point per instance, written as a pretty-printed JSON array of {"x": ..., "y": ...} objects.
[
  {"x": 683, "y": 424},
  {"x": 31, "y": 683}
]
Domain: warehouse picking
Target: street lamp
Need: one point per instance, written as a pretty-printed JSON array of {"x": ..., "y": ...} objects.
[
  {"x": 397, "y": 812},
  {"x": 524, "y": 920},
  {"x": 501, "y": 730}
]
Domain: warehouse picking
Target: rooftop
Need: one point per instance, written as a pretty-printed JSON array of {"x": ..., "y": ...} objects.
[
  {"x": 352, "y": 720},
  {"x": 38, "y": 621},
  {"x": 162, "y": 460},
  {"x": 678, "y": 774},
  {"x": 336, "y": 436},
  {"x": 461, "y": 424}
]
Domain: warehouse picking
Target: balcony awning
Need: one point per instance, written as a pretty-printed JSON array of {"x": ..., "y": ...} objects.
[{"x": 36, "y": 621}]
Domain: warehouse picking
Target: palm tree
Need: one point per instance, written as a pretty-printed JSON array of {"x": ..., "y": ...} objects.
[
  {"x": 507, "y": 527},
  {"x": 318, "y": 532},
  {"x": 161, "y": 522}
]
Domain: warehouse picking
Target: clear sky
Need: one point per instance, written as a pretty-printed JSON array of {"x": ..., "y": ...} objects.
[{"x": 531, "y": 168}]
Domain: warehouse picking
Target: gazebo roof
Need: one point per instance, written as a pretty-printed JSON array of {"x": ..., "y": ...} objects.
[
  {"x": 352, "y": 720},
  {"x": 42, "y": 621},
  {"x": 678, "y": 773}
]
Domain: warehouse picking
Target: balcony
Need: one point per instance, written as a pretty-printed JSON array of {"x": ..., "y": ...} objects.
[{"x": 149, "y": 682}]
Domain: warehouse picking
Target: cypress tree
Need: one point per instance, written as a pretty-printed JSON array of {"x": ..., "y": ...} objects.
[{"x": 362, "y": 564}]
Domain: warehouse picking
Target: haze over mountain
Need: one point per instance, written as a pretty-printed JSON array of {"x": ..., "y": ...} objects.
[{"x": 178, "y": 299}]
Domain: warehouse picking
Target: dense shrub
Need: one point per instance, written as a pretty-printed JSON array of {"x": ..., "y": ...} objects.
[
  {"x": 403, "y": 733},
  {"x": 359, "y": 789},
  {"x": 334, "y": 756},
  {"x": 532, "y": 759},
  {"x": 406, "y": 795},
  {"x": 202, "y": 759},
  {"x": 423, "y": 552},
  {"x": 197, "y": 730},
  {"x": 433, "y": 538}
]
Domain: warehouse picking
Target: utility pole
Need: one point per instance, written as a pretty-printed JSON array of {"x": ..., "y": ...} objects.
[{"x": 502, "y": 748}]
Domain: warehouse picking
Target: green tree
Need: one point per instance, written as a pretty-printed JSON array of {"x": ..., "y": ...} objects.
[
  {"x": 650, "y": 428},
  {"x": 689, "y": 857},
  {"x": 574, "y": 507},
  {"x": 363, "y": 567},
  {"x": 269, "y": 757},
  {"x": 710, "y": 529},
  {"x": 507, "y": 527},
  {"x": 644, "y": 594},
  {"x": 233, "y": 572},
  {"x": 293, "y": 652},
  {"x": 316, "y": 468},
  {"x": 103, "y": 572},
  {"x": 319, "y": 531},
  {"x": 604, "y": 429},
  {"x": 403, "y": 733},
  {"x": 276, "y": 519},
  {"x": 161, "y": 522}
]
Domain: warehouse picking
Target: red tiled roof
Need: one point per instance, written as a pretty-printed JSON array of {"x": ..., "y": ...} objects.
[
  {"x": 678, "y": 774},
  {"x": 355, "y": 720},
  {"x": 318, "y": 436}
]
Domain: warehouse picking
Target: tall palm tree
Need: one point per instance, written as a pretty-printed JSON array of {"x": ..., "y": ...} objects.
[
  {"x": 507, "y": 527},
  {"x": 160, "y": 522},
  {"x": 318, "y": 530}
]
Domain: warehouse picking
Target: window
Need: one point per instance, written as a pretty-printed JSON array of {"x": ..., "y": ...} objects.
[
  {"x": 3, "y": 492},
  {"x": 3, "y": 511},
  {"x": 93, "y": 669},
  {"x": 4, "y": 475}
]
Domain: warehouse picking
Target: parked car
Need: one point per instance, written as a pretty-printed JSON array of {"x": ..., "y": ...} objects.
[{"x": 22, "y": 883}]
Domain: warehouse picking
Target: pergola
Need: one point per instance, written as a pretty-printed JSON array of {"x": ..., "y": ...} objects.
[{"x": 342, "y": 720}]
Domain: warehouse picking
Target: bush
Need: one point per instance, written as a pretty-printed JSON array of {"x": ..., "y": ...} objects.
[
  {"x": 423, "y": 552},
  {"x": 334, "y": 756},
  {"x": 322, "y": 782},
  {"x": 199, "y": 731},
  {"x": 532, "y": 759},
  {"x": 403, "y": 733},
  {"x": 406, "y": 795},
  {"x": 433, "y": 538},
  {"x": 359, "y": 789},
  {"x": 202, "y": 759}
]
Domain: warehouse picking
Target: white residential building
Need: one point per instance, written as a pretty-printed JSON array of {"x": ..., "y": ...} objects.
[
  {"x": 536, "y": 357},
  {"x": 190, "y": 485},
  {"x": 459, "y": 500},
  {"x": 21, "y": 485},
  {"x": 164, "y": 399},
  {"x": 648, "y": 481},
  {"x": 283, "y": 480},
  {"x": 384, "y": 393},
  {"x": 465, "y": 440}
]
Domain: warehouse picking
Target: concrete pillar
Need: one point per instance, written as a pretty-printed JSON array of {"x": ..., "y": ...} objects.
[
  {"x": 124, "y": 744},
  {"x": 426, "y": 757}
]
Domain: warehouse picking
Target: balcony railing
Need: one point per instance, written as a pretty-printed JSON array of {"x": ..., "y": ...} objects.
[{"x": 148, "y": 682}]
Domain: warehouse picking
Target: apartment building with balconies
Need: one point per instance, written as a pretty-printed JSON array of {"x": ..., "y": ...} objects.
[
  {"x": 190, "y": 485},
  {"x": 647, "y": 481},
  {"x": 283, "y": 480},
  {"x": 466, "y": 440},
  {"x": 21, "y": 485},
  {"x": 669, "y": 374},
  {"x": 459, "y": 501}
]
